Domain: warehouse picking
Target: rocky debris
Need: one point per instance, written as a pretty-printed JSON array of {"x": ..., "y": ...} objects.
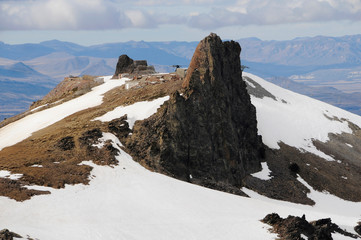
[
  {"x": 208, "y": 135},
  {"x": 283, "y": 185},
  {"x": 127, "y": 65},
  {"x": 340, "y": 178},
  {"x": 5, "y": 234},
  {"x": 104, "y": 155},
  {"x": 90, "y": 137},
  {"x": 345, "y": 146},
  {"x": 120, "y": 128},
  {"x": 292, "y": 227},
  {"x": 66, "y": 143}
]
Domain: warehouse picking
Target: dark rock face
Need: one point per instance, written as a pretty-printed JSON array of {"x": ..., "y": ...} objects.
[
  {"x": 127, "y": 65},
  {"x": 293, "y": 227},
  {"x": 208, "y": 135}
]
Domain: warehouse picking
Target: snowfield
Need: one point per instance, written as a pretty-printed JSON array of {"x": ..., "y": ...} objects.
[
  {"x": 127, "y": 201},
  {"x": 298, "y": 119}
]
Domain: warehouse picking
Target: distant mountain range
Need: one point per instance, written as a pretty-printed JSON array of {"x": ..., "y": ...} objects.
[
  {"x": 332, "y": 63},
  {"x": 316, "y": 51}
]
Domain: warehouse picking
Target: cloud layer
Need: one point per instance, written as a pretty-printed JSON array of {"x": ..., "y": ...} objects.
[{"x": 200, "y": 14}]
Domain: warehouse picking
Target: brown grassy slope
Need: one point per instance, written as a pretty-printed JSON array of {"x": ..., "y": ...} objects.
[{"x": 60, "y": 147}]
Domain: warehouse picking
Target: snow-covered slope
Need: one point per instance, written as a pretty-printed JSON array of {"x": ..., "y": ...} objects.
[
  {"x": 23, "y": 128},
  {"x": 130, "y": 202},
  {"x": 296, "y": 119},
  {"x": 126, "y": 201}
]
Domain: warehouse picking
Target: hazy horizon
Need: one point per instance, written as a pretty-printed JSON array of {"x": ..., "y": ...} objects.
[{"x": 95, "y": 22}]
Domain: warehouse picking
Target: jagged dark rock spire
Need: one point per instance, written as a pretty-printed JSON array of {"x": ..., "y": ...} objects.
[{"x": 209, "y": 134}]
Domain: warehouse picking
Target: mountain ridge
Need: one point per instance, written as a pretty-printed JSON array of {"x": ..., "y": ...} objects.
[
  {"x": 50, "y": 158},
  {"x": 268, "y": 59}
]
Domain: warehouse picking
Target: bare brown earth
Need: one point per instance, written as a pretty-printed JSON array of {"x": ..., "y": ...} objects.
[{"x": 60, "y": 147}]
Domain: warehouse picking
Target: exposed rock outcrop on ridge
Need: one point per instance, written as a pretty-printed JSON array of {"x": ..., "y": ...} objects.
[
  {"x": 208, "y": 133},
  {"x": 127, "y": 65},
  {"x": 299, "y": 228}
]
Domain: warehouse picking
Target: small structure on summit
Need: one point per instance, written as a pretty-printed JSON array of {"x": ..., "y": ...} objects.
[
  {"x": 127, "y": 65},
  {"x": 181, "y": 72}
]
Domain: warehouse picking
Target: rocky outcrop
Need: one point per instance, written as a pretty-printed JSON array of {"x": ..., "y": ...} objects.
[
  {"x": 299, "y": 228},
  {"x": 5, "y": 234},
  {"x": 207, "y": 132},
  {"x": 127, "y": 65}
]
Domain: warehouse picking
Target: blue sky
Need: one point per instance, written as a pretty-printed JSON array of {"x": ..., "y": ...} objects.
[{"x": 90, "y": 22}]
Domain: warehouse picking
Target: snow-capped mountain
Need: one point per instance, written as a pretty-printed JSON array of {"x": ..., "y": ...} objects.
[{"x": 68, "y": 169}]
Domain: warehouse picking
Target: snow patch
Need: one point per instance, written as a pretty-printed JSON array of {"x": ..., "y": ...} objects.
[
  {"x": 249, "y": 83},
  {"x": 37, "y": 165},
  {"x": 136, "y": 111},
  {"x": 349, "y": 145},
  {"x": 9, "y": 175},
  {"x": 106, "y": 137},
  {"x": 326, "y": 202},
  {"x": 339, "y": 236},
  {"x": 264, "y": 174},
  {"x": 45, "y": 105},
  {"x": 39, "y": 188}
]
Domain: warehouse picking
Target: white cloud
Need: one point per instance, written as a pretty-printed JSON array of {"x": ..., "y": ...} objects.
[
  {"x": 61, "y": 15},
  {"x": 210, "y": 14},
  {"x": 138, "y": 18},
  {"x": 270, "y": 12}
]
